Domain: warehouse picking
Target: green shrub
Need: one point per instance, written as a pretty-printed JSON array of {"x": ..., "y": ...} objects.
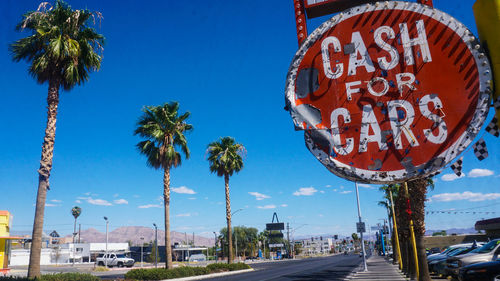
[
  {"x": 56, "y": 277},
  {"x": 220, "y": 267},
  {"x": 162, "y": 273}
]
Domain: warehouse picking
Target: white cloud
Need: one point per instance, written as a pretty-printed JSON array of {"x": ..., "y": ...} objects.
[
  {"x": 115, "y": 195},
  {"x": 259, "y": 196},
  {"x": 55, "y": 201},
  {"x": 183, "y": 190},
  {"x": 345, "y": 192},
  {"x": 328, "y": 185},
  {"x": 284, "y": 205},
  {"x": 451, "y": 177},
  {"x": 192, "y": 198},
  {"x": 87, "y": 193},
  {"x": 320, "y": 215},
  {"x": 321, "y": 191},
  {"x": 78, "y": 201},
  {"x": 364, "y": 185},
  {"x": 335, "y": 190},
  {"x": 150, "y": 206},
  {"x": 136, "y": 196},
  {"x": 120, "y": 201},
  {"x": 267, "y": 207},
  {"x": 50, "y": 205},
  {"x": 183, "y": 215},
  {"x": 100, "y": 202},
  {"x": 476, "y": 173},
  {"x": 467, "y": 195},
  {"x": 305, "y": 191}
]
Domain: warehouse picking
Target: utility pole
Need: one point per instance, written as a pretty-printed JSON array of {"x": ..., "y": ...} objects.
[
  {"x": 288, "y": 238},
  {"x": 215, "y": 246},
  {"x": 156, "y": 245},
  {"x": 106, "y": 255},
  {"x": 79, "y": 232},
  {"x": 142, "y": 246}
]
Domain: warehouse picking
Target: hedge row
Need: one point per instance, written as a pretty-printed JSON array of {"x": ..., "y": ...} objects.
[
  {"x": 56, "y": 277},
  {"x": 178, "y": 272}
]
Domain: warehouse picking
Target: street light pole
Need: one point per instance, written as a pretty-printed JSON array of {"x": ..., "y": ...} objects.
[
  {"x": 142, "y": 245},
  {"x": 106, "y": 255},
  {"x": 365, "y": 268},
  {"x": 236, "y": 235},
  {"x": 156, "y": 245}
]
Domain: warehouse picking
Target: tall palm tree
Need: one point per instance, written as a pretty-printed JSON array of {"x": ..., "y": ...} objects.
[
  {"x": 76, "y": 212},
  {"x": 417, "y": 190},
  {"x": 62, "y": 50},
  {"x": 226, "y": 157},
  {"x": 164, "y": 129}
]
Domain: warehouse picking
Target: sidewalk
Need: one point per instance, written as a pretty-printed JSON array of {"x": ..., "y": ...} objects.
[{"x": 378, "y": 269}]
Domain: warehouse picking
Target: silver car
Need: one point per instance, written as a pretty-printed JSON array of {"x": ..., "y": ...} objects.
[{"x": 487, "y": 252}]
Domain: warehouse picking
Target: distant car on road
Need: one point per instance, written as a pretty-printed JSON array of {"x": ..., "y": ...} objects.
[
  {"x": 197, "y": 257},
  {"x": 112, "y": 259},
  {"x": 486, "y": 271}
]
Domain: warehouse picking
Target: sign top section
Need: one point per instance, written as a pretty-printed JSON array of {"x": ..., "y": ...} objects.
[
  {"x": 318, "y": 8},
  {"x": 388, "y": 92}
]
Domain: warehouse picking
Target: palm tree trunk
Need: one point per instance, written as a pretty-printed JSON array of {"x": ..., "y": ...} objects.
[
  {"x": 166, "y": 202},
  {"x": 228, "y": 219},
  {"x": 43, "y": 178},
  {"x": 418, "y": 193}
]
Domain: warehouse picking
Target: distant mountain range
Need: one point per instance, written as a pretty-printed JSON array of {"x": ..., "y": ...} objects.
[
  {"x": 134, "y": 234},
  {"x": 450, "y": 231}
]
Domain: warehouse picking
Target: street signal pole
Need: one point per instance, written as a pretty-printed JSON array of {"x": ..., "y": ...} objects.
[{"x": 365, "y": 268}]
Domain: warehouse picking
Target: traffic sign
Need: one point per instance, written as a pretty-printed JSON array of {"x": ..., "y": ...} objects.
[
  {"x": 275, "y": 226},
  {"x": 278, "y": 245},
  {"x": 360, "y": 227},
  {"x": 389, "y": 92}
]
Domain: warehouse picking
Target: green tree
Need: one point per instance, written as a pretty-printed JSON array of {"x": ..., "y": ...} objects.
[
  {"x": 439, "y": 233},
  {"x": 225, "y": 158},
  {"x": 152, "y": 255},
  {"x": 75, "y": 212},
  {"x": 164, "y": 129},
  {"x": 354, "y": 236},
  {"x": 62, "y": 49}
]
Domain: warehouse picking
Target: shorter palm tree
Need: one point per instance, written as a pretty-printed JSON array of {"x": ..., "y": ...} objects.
[
  {"x": 76, "y": 212},
  {"x": 226, "y": 157},
  {"x": 164, "y": 130}
]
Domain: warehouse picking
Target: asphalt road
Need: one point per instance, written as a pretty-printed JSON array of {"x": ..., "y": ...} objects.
[{"x": 324, "y": 268}]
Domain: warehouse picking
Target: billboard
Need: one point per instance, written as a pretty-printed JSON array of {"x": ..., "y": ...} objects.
[
  {"x": 275, "y": 226},
  {"x": 389, "y": 92}
]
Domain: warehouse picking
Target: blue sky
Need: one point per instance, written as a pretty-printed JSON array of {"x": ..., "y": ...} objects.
[{"x": 226, "y": 63}]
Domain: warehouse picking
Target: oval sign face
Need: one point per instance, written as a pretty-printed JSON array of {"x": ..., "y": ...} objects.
[{"x": 388, "y": 92}]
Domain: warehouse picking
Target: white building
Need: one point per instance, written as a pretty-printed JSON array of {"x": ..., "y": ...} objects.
[
  {"x": 67, "y": 253},
  {"x": 316, "y": 246}
]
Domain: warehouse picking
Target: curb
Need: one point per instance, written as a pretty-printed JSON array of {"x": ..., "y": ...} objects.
[{"x": 213, "y": 275}]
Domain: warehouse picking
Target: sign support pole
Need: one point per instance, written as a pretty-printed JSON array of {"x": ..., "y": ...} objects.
[
  {"x": 395, "y": 232},
  {"x": 412, "y": 232},
  {"x": 365, "y": 268},
  {"x": 300, "y": 20}
]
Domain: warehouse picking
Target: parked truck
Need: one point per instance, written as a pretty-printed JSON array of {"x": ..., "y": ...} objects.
[{"x": 112, "y": 259}]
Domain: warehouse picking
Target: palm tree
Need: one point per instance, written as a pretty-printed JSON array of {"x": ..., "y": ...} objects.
[
  {"x": 164, "y": 130},
  {"x": 76, "y": 212},
  {"x": 417, "y": 190},
  {"x": 62, "y": 50},
  {"x": 225, "y": 158}
]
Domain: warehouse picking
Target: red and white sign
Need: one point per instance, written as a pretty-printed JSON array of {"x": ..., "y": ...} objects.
[{"x": 389, "y": 91}]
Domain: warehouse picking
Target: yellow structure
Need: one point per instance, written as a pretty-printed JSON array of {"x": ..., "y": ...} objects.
[
  {"x": 5, "y": 222},
  {"x": 487, "y": 14}
]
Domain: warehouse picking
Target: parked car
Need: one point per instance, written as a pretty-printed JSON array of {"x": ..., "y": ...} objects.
[
  {"x": 438, "y": 265},
  {"x": 447, "y": 250},
  {"x": 487, "y": 252},
  {"x": 112, "y": 259},
  {"x": 485, "y": 271}
]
